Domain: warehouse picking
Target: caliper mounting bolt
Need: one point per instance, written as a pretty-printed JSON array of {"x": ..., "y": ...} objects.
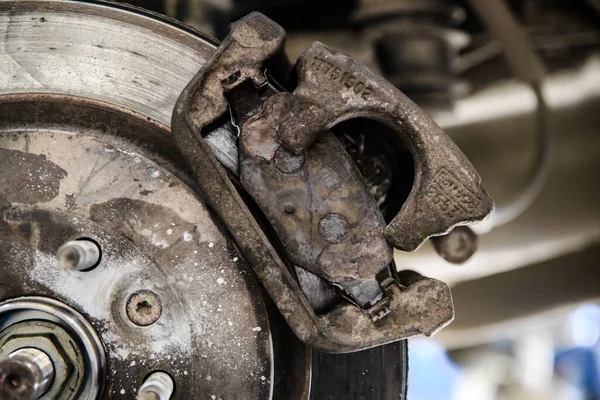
[{"x": 458, "y": 246}]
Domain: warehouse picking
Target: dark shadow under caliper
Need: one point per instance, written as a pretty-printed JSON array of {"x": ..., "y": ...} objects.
[{"x": 312, "y": 194}]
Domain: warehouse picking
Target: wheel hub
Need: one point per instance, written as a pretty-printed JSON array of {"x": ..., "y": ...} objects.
[{"x": 170, "y": 293}]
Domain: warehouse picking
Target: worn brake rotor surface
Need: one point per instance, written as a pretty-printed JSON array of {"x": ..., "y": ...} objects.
[{"x": 87, "y": 92}]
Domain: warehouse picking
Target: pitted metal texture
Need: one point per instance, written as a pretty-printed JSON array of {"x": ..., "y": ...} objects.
[
  {"x": 332, "y": 88},
  {"x": 336, "y": 229}
]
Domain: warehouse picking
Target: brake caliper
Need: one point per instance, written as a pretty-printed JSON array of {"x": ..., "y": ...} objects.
[{"x": 312, "y": 194}]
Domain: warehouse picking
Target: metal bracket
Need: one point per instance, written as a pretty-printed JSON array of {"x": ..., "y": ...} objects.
[{"x": 313, "y": 195}]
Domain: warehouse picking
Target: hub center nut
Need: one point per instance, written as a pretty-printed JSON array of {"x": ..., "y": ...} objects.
[
  {"x": 48, "y": 349},
  {"x": 26, "y": 374},
  {"x": 143, "y": 308}
]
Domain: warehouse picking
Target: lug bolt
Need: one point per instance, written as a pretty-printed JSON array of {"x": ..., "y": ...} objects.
[
  {"x": 158, "y": 386},
  {"x": 81, "y": 255},
  {"x": 26, "y": 374}
]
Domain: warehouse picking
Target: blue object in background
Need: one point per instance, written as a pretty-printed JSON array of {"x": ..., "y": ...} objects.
[
  {"x": 431, "y": 375},
  {"x": 578, "y": 361},
  {"x": 579, "y": 367}
]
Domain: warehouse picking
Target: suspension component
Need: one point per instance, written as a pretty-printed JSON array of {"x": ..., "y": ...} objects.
[{"x": 415, "y": 43}]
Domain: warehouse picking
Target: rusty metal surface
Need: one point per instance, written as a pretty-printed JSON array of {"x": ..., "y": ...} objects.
[
  {"x": 131, "y": 62},
  {"x": 258, "y": 41},
  {"x": 327, "y": 220},
  {"x": 347, "y": 328},
  {"x": 421, "y": 306},
  {"x": 447, "y": 189}
]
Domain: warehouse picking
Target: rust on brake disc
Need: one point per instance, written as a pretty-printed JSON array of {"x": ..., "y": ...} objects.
[{"x": 313, "y": 195}]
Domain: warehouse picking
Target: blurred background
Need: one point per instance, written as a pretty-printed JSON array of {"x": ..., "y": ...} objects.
[
  {"x": 559, "y": 360},
  {"x": 516, "y": 84}
]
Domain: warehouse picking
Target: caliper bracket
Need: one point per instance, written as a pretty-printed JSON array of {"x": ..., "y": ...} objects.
[{"x": 313, "y": 195}]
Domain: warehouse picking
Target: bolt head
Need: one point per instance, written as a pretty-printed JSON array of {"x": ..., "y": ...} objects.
[
  {"x": 458, "y": 246},
  {"x": 16, "y": 381},
  {"x": 55, "y": 343},
  {"x": 143, "y": 308},
  {"x": 289, "y": 208}
]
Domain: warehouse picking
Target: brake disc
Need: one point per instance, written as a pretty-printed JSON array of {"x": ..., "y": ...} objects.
[
  {"x": 150, "y": 286},
  {"x": 87, "y": 92}
]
